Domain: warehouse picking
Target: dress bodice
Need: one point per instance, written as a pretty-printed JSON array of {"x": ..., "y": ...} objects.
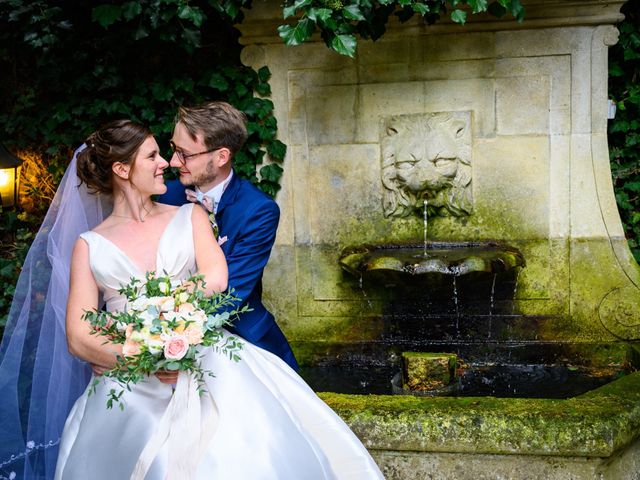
[{"x": 112, "y": 268}]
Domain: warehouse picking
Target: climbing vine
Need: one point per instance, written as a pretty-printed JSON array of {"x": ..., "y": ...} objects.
[
  {"x": 624, "y": 129},
  {"x": 65, "y": 68},
  {"x": 341, "y": 22}
]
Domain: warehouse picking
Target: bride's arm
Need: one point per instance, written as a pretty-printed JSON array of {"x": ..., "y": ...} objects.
[
  {"x": 83, "y": 296},
  {"x": 209, "y": 257}
]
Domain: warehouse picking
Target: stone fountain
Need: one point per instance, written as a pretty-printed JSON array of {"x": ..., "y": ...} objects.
[{"x": 501, "y": 128}]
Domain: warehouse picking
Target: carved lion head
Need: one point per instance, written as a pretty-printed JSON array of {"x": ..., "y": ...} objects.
[{"x": 427, "y": 157}]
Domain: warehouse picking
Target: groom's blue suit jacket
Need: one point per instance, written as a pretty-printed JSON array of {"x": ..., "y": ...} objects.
[{"x": 248, "y": 219}]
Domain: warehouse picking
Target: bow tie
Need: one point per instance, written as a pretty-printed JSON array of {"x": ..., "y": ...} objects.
[
  {"x": 208, "y": 204},
  {"x": 201, "y": 198}
]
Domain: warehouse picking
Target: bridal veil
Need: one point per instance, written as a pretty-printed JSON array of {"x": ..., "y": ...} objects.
[{"x": 39, "y": 379}]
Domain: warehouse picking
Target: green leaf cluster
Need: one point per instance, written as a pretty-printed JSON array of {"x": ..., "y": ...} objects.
[
  {"x": 624, "y": 129},
  {"x": 340, "y": 23}
]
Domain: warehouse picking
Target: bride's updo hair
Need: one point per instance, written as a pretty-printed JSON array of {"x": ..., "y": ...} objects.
[{"x": 116, "y": 141}]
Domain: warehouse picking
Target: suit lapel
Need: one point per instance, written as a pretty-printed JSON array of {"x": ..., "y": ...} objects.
[{"x": 229, "y": 195}]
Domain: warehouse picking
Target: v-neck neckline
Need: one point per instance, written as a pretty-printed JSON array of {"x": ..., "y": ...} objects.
[{"x": 128, "y": 258}]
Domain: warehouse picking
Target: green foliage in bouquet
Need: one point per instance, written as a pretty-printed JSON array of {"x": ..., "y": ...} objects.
[{"x": 164, "y": 327}]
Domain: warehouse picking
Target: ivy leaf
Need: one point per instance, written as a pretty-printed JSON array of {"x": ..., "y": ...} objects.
[
  {"x": 633, "y": 186},
  {"x": 263, "y": 89},
  {"x": 352, "y": 12},
  {"x": 141, "y": 33},
  {"x": 321, "y": 15},
  {"x": 106, "y": 15},
  {"x": 290, "y": 11},
  {"x": 271, "y": 172},
  {"x": 277, "y": 150},
  {"x": 191, "y": 37},
  {"x": 420, "y": 8},
  {"x": 344, "y": 45},
  {"x": 194, "y": 14},
  {"x": 218, "y": 82},
  {"x": 241, "y": 89},
  {"x": 264, "y": 74},
  {"x": 459, "y": 16},
  {"x": 615, "y": 70},
  {"x": 131, "y": 10},
  {"x": 517, "y": 10},
  {"x": 478, "y": 6},
  {"x": 295, "y": 35}
]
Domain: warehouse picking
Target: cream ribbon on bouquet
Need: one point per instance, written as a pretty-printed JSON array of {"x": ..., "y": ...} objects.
[{"x": 187, "y": 426}]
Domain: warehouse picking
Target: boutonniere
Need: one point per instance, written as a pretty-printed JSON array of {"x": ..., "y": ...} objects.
[{"x": 214, "y": 224}]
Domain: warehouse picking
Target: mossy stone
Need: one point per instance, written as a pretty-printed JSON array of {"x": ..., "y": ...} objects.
[{"x": 427, "y": 371}]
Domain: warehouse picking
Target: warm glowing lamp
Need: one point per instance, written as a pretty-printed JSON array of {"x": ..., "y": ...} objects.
[{"x": 9, "y": 177}]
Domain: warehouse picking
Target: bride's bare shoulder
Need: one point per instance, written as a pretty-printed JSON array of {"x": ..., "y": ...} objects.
[{"x": 163, "y": 208}]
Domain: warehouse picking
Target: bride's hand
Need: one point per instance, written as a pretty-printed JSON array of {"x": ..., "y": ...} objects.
[
  {"x": 98, "y": 370},
  {"x": 168, "y": 377}
]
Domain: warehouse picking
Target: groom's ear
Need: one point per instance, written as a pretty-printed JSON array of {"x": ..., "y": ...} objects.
[
  {"x": 224, "y": 157},
  {"x": 121, "y": 170}
]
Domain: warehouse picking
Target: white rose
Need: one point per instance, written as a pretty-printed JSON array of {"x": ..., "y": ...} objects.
[
  {"x": 163, "y": 287},
  {"x": 141, "y": 335},
  {"x": 156, "y": 301},
  {"x": 183, "y": 297},
  {"x": 199, "y": 317},
  {"x": 148, "y": 317},
  {"x": 140, "y": 303},
  {"x": 155, "y": 344},
  {"x": 167, "y": 304}
]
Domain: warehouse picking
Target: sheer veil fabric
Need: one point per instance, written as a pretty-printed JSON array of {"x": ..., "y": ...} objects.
[{"x": 39, "y": 379}]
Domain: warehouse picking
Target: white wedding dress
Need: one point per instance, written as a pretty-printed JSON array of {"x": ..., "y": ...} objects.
[{"x": 269, "y": 423}]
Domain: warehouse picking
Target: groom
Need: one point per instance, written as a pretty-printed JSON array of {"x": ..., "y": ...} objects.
[{"x": 205, "y": 139}]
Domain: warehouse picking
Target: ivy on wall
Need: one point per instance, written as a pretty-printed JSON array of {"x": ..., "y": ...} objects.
[
  {"x": 340, "y": 22},
  {"x": 67, "y": 67},
  {"x": 624, "y": 129}
]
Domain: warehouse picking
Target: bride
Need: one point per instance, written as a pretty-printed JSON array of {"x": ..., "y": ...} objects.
[{"x": 257, "y": 419}]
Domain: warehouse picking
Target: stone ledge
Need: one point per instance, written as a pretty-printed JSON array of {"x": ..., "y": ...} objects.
[{"x": 597, "y": 424}]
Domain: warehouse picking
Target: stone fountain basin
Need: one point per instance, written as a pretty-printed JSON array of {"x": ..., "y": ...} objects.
[
  {"x": 577, "y": 437},
  {"x": 449, "y": 258}
]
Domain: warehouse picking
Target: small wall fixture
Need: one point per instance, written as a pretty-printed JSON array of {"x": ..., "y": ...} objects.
[{"x": 9, "y": 177}]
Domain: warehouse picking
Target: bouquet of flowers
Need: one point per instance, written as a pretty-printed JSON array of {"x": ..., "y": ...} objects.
[{"x": 163, "y": 327}]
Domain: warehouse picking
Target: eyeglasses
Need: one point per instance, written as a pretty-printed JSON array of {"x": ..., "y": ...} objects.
[{"x": 183, "y": 157}]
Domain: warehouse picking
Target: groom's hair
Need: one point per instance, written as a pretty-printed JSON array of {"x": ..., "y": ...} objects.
[{"x": 220, "y": 124}]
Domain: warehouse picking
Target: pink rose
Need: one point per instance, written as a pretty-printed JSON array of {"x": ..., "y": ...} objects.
[
  {"x": 194, "y": 334},
  {"x": 176, "y": 347},
  {"x": 130, "y": 347}
]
